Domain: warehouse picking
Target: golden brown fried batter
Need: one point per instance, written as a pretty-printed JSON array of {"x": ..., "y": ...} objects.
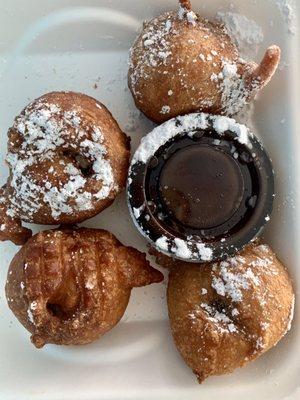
[
  {"x": 68, "y": 160},
  {"x": 183, "y": 63},
  {"x": 225, "y": 314},
  {"x": 72, "y": 286},
  {"x": 11, "y": 228}
]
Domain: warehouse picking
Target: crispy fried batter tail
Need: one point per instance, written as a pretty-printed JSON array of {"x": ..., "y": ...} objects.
[
  {"x": 186, "y": 4},
  {"x": 260, "y": 75},
  {"x": 136, "y": 268}
]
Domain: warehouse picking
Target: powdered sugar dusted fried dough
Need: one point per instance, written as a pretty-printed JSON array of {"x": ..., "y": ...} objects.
[
  {"x": 68, "y": 160},
  {"x": 72, "y": 286},
  {"x": 182, "y": 63},
  {"x": 225, "y": 314}
]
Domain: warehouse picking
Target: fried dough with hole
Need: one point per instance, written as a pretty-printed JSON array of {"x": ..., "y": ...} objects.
[
  {"x": 70, "y": 287},
  {"x": 68, "y": 160}
]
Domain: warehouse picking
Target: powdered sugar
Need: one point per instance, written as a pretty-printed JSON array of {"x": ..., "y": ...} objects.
[
  {"x": 245, "y": 33},
  {"x": 162, "y": 243},
  {"x": 33, "y": 305},
  {"x": 183, "y": 248},
  {"x": 205, "y": 252},
  {"x": 264, "y": 325},
  {"x": 222, "y": 322},
  {"x": 165, "y": 110},
  {"x": 287, "y": 9},
  {"x": 137, "y": 212},
  {"x": 46, "y": 130},
  {"x": 189, "y": 15},
  {"x": 30, "y": 316},
  {"x": 91, "y": 282},
  {"x": 223, "y": 124},
  {"x": 235, "y": 312},
  {"x": 156, "y": 42},
  {"x": 234, "y": 93},
  {"x": 230, "y": 284},
  {"x": 260, "y": 343},
  {"x": 186, "y": 124}
]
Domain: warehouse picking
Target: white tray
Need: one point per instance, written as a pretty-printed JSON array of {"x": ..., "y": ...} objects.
[{"x": 73, "y": 45}]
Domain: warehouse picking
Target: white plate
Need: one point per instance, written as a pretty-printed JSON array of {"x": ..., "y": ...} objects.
[{"x": 73, "y": 45}]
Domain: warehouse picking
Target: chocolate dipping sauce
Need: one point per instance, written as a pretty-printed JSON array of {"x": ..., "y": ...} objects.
[
  {"x": 202, "y": 195},
  {"x": 202, "y": 186}
]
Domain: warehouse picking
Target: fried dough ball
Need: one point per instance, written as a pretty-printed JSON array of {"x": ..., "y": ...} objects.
[
  {"x": 68, "y": 160},
  {"x": 182, "y": 63},
  {"x": 225, "y": 314},
  {"x": 72, "y": 286}
]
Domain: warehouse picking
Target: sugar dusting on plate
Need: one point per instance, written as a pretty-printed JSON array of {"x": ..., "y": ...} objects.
[
  {"x": 244, "y": 32},
  {"x": 287, "y": 10}
]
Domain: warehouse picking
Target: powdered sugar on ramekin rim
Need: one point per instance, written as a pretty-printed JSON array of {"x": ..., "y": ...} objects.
[
  {"x": 188, "y": 123},
  {"x": 189, "y": 248}
]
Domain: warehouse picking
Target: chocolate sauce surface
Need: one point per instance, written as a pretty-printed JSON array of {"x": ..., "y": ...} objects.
[{"x": 201, "y": 186}]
